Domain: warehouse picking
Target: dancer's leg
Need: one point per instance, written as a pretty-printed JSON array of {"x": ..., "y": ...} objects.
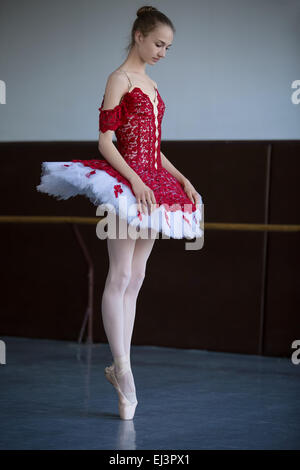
[
  {"x": 141, "y": 254},
  {"x": 120, "y": 259}
]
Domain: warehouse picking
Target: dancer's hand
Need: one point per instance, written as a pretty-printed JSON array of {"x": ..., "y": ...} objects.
[
  {"x": 144, "y": 196},
  {"x": 191, "y": 191}
]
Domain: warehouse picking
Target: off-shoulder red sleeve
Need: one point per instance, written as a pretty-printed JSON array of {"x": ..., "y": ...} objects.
[{"x": 111, "y": 119}]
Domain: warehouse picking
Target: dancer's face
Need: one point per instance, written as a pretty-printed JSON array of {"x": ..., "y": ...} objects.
[{"x": 155, "y": 45}]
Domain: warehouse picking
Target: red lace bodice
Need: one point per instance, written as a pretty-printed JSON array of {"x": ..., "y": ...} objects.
[{"x": 137, "y": 125}]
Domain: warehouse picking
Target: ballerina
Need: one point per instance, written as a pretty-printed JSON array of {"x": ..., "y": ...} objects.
[{"x": 165, "y": 200}]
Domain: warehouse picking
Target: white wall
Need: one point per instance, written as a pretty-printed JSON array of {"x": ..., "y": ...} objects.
[{"x": 228, "y": 74}]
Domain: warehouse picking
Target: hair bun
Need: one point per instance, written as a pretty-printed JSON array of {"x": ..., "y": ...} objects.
[{"x": 145, "y": 9}]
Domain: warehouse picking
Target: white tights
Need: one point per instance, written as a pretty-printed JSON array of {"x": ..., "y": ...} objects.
[{"x": 127, "y": 266}]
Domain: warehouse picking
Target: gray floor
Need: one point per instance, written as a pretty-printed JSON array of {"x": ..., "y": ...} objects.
[{"x": 54, "y": 395}]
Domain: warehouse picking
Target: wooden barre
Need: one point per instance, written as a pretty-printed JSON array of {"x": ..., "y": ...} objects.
[{"x": 38, "y": 219}]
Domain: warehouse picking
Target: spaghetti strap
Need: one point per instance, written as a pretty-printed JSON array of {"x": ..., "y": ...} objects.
[{"x": 130, "y": 84}]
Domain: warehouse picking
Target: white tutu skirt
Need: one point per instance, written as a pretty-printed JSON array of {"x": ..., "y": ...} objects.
[{"x": 68, "y": 179}]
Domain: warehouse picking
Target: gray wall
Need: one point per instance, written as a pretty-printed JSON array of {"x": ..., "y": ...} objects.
[{"x": 228, "y": 74}]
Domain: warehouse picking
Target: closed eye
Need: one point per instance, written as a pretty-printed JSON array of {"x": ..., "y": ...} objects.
[{"x": 159, "y": 45}]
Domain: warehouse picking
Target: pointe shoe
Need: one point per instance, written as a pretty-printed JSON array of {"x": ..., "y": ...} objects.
[{"x": 126, "y": 407}]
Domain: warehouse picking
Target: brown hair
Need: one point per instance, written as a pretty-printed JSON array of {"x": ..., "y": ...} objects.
[{"x": 147, "y": 20}]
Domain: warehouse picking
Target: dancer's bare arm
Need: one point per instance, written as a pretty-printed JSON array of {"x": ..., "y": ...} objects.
[
  {"x": 187, "y": 185},
  {"x": 116, "y": 86},
  {"x": 171, "y": 169}
]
